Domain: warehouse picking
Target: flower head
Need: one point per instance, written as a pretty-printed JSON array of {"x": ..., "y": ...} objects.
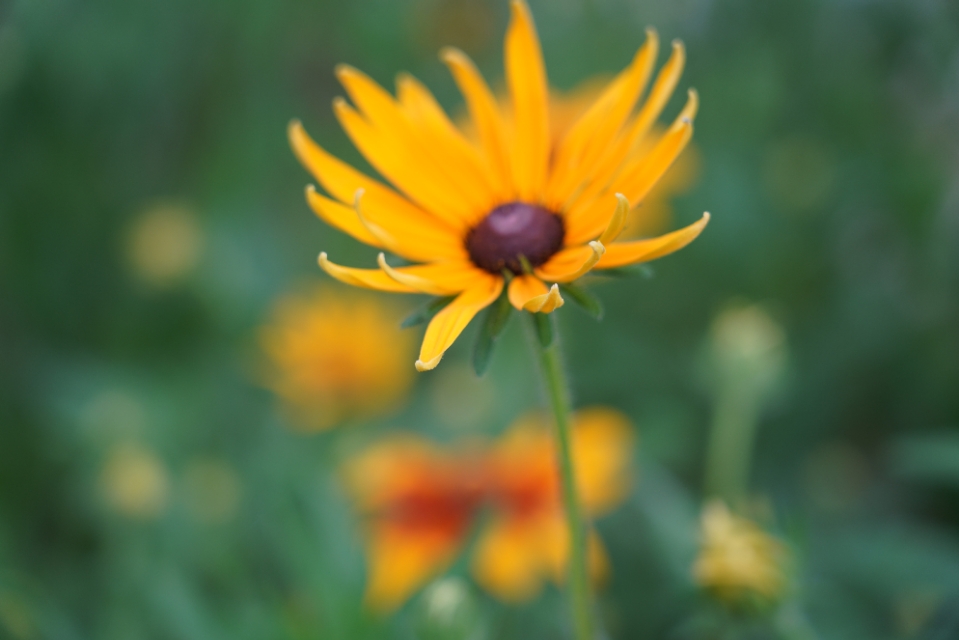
[
  {"x": 420, "y": 503},
  {"x": 737, "y": 559},
  {"x": 335, "y": 356},
  {"x": 520, "y": 207}
]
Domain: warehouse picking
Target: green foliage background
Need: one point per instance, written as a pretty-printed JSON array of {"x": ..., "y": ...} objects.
[{"x": 829, "y": 132}]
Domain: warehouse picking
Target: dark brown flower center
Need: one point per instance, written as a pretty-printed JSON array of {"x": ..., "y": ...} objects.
[{"x": 512, "y": 230}]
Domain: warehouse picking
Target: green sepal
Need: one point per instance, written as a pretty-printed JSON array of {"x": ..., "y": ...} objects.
[
  {"x": 494, "y": 322},
  {"x": 544, "y": 328},
  {"x": 426, "y": 312},
  {"x": 629, "y": 271},
  {"x": 584, "y": 299}
]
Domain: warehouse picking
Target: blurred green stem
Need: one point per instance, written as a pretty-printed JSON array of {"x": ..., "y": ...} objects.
[
  {"x": 729, "y": 456},
  {"x": 551, "y": 367}
]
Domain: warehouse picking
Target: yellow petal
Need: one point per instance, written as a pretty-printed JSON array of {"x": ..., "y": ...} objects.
[
  {"x": 616, "y": 223},
  {"x": 526, "y": 78},
  {"x": 619, "y": 254},
  {"x": 524, "y": 288},
  {"x": 449, "y": 145},
  {"x": 635, "y": 179},
  {"x": 449, "y": 323},
  {"x": 438, "y": 279},
  {"x": 598, "y": 175},
  {"x": 571, "y": 263},
  {"x": 367, "y": 278},
  {"x": 428, "y": 237},
  {"x": 404, "y": 167},
  {"x": 659, "y": 95},
  {"x": 435, "y": 159},
  {"x": 418, "y": 239},
  {"x": 485, "y": 115},
  {"x": 642, "y": 175},
  {"x": 547, "y": 304},
  {"x": 340, "y": 216},
  {"x": 589, "y": 138}
]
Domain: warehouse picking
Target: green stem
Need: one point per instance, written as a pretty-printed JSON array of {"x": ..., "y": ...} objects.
[
  {"x": 728, "y": 457},
  {"x": 554, "y": 378}
]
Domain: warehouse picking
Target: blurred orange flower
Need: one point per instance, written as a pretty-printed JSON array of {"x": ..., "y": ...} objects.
[
  {"x": 335, "y": 356},
  {"x": 420, "y": 503}
]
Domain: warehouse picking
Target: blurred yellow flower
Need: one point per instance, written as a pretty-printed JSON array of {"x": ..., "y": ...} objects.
[
  {"x": 518, "y": 208},
  {"x": 737, "y": 559},
  {"x": 164, "y": 244},
  {"x": 420, "y": 502},
  {"x": 336, "y": 356},
  {"x": 135, "y": 482}
]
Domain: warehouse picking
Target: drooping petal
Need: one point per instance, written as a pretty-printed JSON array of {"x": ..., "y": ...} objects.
[
  {"x": 438, "y": 279},
  {"x": 381, "y": 204},
  {"x": 366, "y": 278},
  {"x": 446, "y": 326},
  {"x": 340, "y": 216},
  {"x": 526, "y": 78},
  {"x": 571, "y": 263},
  {"x": 485, "y": 115},
  {"x": 619, "y": 254},
  {"x": 529, "y": 293},
  {"x": 524, "y": 288},
  {"x": 595, "y": 130}
]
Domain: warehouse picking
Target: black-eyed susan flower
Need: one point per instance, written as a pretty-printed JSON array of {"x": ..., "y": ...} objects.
[
  {"x": 335, "y": 356},
  {"x": 421, "y": 502},
  {"x": 518, "y": 207}
]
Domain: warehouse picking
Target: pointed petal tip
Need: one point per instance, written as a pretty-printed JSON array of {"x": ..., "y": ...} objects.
[
  {"x": 428, "y": 366},
  {"x": 343, "y": 70}
]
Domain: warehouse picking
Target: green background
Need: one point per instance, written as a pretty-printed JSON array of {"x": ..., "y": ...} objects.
[{"x": 829, "y": 132}]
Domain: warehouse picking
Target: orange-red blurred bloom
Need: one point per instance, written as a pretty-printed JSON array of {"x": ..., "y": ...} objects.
[{"x": 420, "y": 503}]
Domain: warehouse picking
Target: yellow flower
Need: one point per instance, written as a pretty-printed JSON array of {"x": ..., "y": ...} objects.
[
  {"x": 135, "y": 482},
  {"x": 517, "y": 206},
  {"x": 420, "y": 503},
  {"x": 737, "y": 558},
  {"x": 336, "y": 356}
]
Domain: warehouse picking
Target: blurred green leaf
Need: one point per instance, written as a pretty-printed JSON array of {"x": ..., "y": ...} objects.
[
  {"x": 496, "y": 317},
  {"x": 584, "y": 298}
]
